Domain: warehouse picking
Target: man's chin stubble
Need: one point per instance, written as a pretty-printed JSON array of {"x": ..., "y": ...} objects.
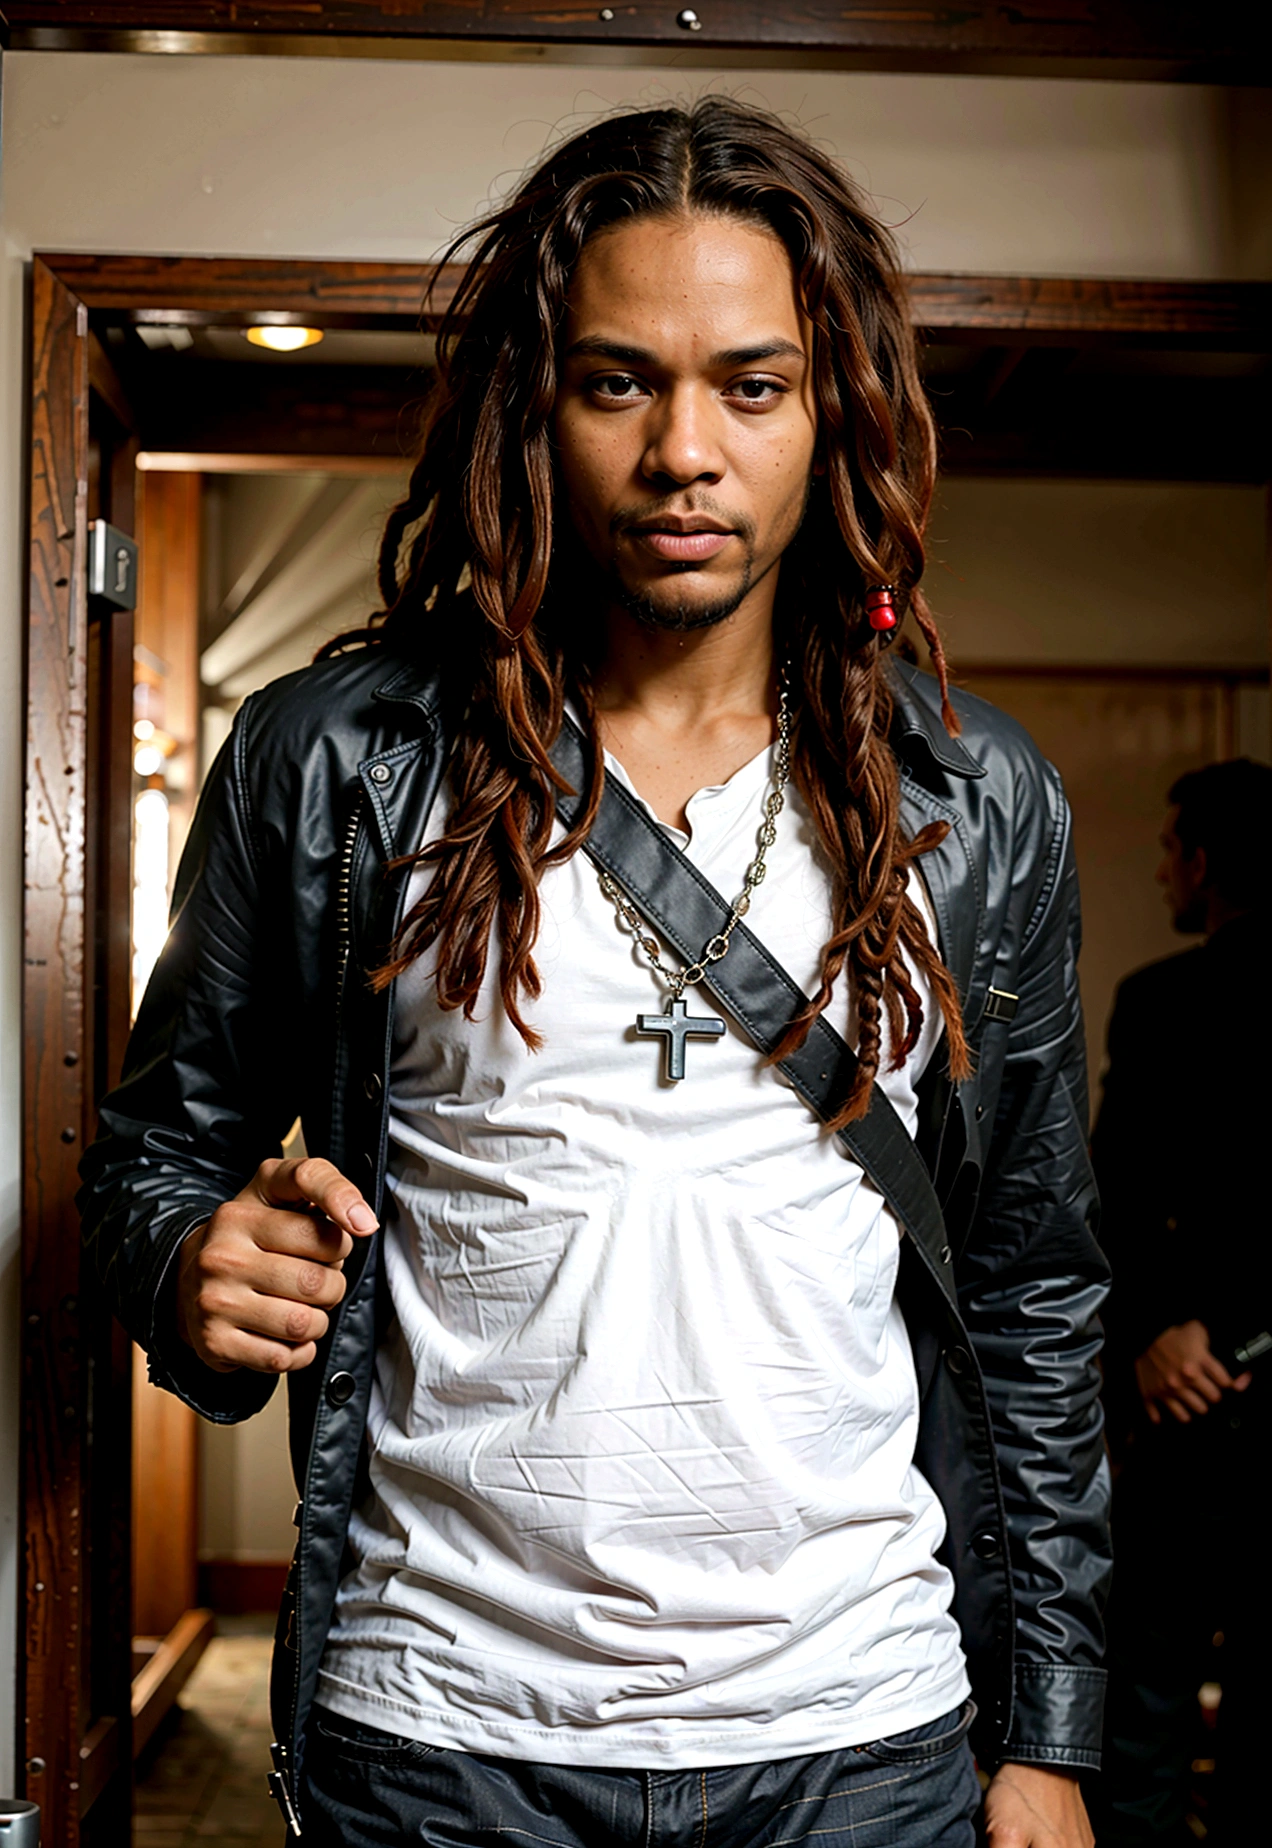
[{"x": 682, "y": 617}]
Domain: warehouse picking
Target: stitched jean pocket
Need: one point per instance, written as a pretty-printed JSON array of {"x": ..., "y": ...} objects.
[
  {"x": 923, "y": 1743},
  {"x": 364, "y": 1745}
]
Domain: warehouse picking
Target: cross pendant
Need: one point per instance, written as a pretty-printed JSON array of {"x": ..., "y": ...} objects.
[{"x": 678, "y": 1024}]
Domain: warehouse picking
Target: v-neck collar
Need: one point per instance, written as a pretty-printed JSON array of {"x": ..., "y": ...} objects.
[{"x": 724, "y": 798}]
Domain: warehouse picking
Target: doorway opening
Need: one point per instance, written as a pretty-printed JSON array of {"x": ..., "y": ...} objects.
[{"x": 255, "y": 483}]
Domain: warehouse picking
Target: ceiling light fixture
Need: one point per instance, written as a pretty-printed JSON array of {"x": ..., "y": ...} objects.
[{"x": 284, "y": 339}]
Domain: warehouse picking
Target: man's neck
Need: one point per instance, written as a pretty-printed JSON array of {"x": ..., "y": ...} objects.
[
  {"x": 682, "y": 711},
  {"x": 681, "y": 678}
]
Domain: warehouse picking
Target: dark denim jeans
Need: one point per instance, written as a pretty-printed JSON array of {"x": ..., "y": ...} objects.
[{"x": 362, "y": 1787}]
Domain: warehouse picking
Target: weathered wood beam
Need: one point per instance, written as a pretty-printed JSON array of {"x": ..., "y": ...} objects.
[
  {"x": 1089, "y": 311},
  {"x": 211, "y": 291},
  {"x": 1173, "y": 39},
  {"x": 1060, "y": 311}
]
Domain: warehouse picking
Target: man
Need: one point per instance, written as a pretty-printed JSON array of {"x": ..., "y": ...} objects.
[
  {"x": 1186, "y": 1107},
  {"x": 621, "y": 1461}
]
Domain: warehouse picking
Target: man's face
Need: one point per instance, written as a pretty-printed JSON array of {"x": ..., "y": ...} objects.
[
  {"x": 1182, "y": 879},
  {"x": 685, "y": 419}
]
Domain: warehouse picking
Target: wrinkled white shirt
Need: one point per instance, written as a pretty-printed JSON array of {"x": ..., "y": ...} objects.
[{"x": 642, "y": 1435}]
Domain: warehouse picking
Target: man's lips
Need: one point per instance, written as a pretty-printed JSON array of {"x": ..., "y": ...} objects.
[{"x": 692, "y": 543}]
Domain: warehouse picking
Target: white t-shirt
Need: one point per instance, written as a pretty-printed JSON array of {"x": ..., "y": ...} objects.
[{"x": 642, "y": 1433}]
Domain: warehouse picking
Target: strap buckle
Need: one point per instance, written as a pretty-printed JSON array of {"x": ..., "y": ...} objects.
[{"x": 999, "y": 1005}]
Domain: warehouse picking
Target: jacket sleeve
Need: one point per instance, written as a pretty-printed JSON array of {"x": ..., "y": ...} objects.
[
  {"x": 1031, "y": 1285},
  {"x": 205, "y": 1094}
]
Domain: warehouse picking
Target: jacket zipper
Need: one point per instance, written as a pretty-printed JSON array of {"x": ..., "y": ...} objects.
[
  {"x": 344, "y": 899},
  {"x": 280, "y": 1779}
]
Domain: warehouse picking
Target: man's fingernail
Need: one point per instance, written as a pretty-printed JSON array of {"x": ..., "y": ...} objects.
[{"x": 362, "y": 1219}]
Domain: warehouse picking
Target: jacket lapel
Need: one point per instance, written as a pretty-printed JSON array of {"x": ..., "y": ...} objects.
[{"x": 401, "y": 781}]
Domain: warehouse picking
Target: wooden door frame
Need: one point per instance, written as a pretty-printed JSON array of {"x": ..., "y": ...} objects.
[
  {"x": 74, "y": 1469},
  {"x": 68, "y": 1753}
]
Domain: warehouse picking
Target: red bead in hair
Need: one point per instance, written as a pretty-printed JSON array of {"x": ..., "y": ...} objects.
[{"x": 879, "y": 607}]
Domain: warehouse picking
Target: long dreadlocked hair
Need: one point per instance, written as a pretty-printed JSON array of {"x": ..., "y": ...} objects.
[{"x": 466, "y": 564}]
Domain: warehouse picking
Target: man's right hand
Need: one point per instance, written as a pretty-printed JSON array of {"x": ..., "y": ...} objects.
[
  {"x": 1179, "y": 1371},
  {"x": 255, "y": 1283}
]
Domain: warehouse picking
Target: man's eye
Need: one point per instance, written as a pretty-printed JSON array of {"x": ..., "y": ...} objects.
[
  {"x": 618, "y": 387},
  {"x": 756, "y": 391}
]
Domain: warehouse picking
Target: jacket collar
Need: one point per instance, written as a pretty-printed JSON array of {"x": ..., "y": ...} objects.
[
  {"x": 416, "y": 686},
  {"x": 917, "y": 726}
]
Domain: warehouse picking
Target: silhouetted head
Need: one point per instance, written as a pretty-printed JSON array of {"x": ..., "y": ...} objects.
[{"x": 1215, "y": 864}]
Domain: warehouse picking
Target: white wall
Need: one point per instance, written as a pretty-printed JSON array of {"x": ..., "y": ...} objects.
[
  {"x": 246, "y": 1496},
  {"x": 258, "y": 157},
  {"x": 270, "y": 157}
]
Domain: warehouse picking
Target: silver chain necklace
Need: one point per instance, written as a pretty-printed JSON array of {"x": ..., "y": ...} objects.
[{"x": 677, "y": 1023}]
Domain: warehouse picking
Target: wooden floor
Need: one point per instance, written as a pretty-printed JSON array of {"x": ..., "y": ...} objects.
[{"x": 202, "y": 1782}]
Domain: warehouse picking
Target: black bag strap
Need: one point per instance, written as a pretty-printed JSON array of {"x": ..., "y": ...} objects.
[{"x": 664, "y": 884}]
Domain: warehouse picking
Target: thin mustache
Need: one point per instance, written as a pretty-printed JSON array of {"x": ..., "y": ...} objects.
[{"x": 680, "y": 519}]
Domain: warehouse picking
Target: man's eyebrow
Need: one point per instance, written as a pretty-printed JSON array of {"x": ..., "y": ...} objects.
[
  {"x": 752, "y": 355},
  {"x": 596, "y": 346}
]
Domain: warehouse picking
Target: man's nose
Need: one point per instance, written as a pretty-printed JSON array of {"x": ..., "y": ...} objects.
[{"x": 683, "y": 445}]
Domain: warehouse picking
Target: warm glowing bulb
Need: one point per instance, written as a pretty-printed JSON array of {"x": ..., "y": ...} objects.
[
  {"x": 284, "y": 339},
  {"x": 143, "y": 729},
  {"x": 147, "y": 759}
]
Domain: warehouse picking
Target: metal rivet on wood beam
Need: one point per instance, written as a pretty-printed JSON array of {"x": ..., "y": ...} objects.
[{"x": 688, "y": 20}]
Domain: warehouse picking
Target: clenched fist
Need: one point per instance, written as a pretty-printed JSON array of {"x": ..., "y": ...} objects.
[{"x": 255, "y": 1283}]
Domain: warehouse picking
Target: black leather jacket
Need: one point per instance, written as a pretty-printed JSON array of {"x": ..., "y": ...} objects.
[{"x": 256, "y": 1014}]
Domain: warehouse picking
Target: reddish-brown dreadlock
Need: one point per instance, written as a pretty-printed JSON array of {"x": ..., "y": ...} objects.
[{"x": 467, "y": 562}]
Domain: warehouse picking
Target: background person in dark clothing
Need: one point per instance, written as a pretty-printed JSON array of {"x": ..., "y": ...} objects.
[{"x": 1180, "y": 1156}]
